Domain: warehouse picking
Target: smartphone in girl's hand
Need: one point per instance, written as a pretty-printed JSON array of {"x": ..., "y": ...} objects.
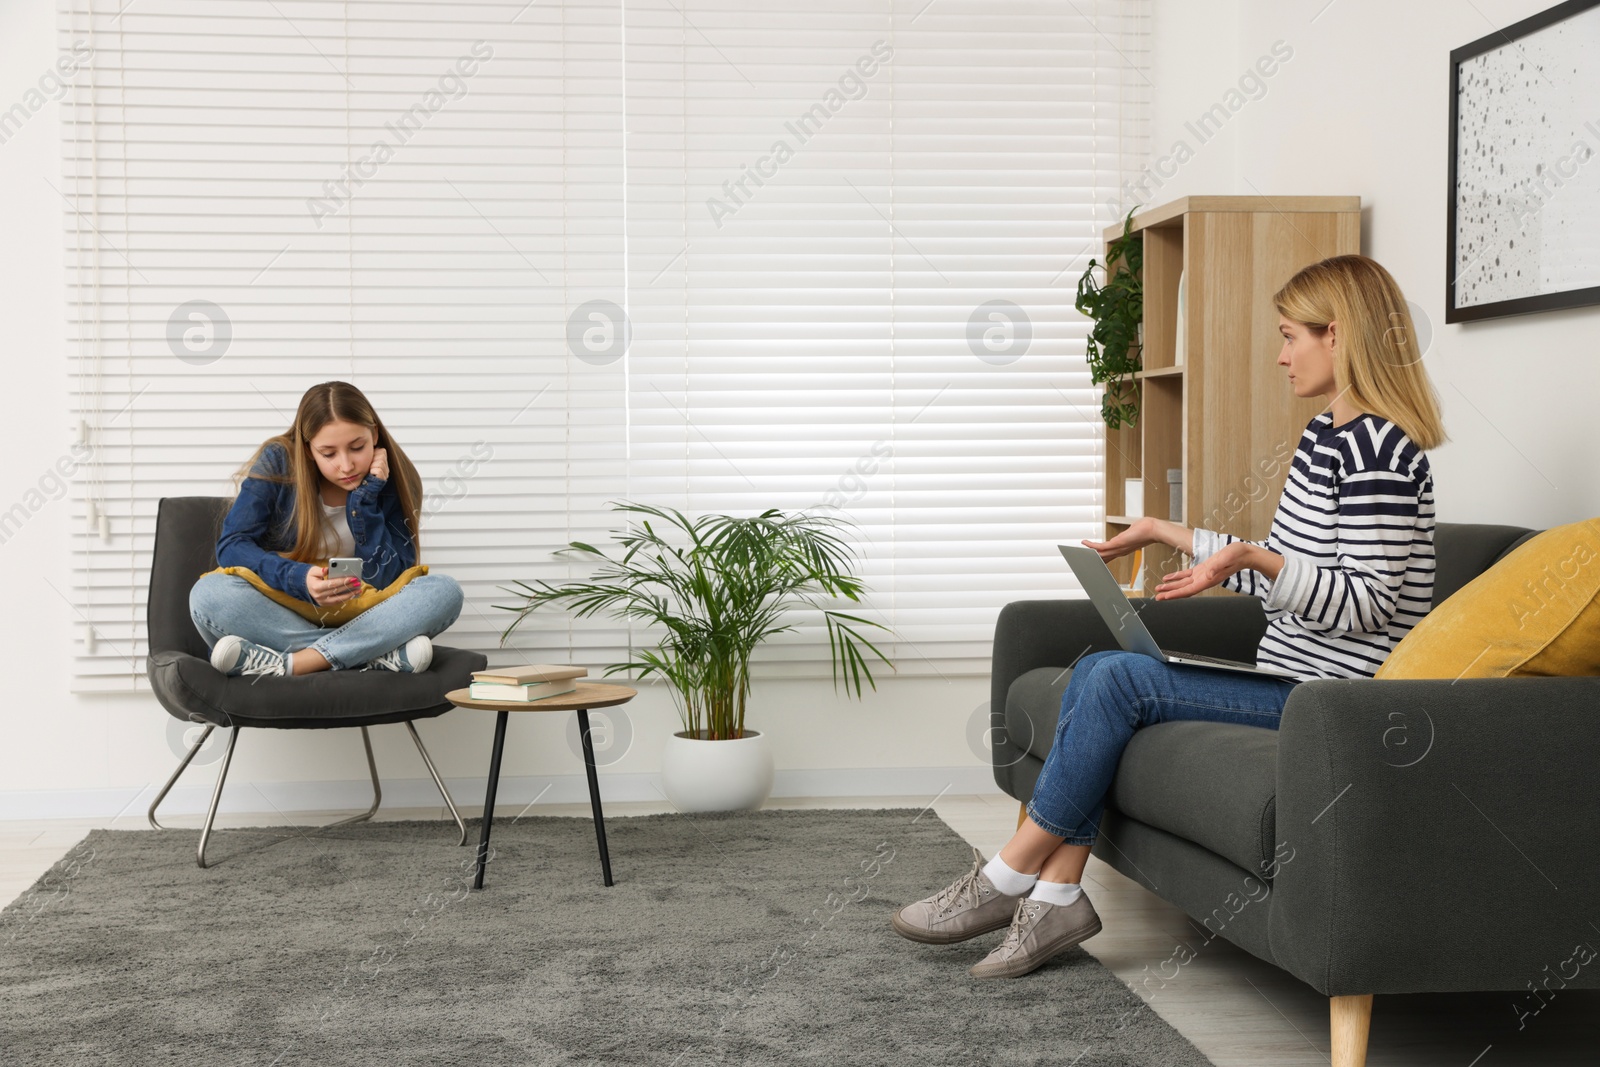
[{"x": 344, "y": 567}]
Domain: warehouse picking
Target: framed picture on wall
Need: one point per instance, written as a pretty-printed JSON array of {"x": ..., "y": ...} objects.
[{"x": 1524, "y": 229}]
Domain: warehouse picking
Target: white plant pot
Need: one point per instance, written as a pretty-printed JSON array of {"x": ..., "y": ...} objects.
[{"x": 731, "y": 775}]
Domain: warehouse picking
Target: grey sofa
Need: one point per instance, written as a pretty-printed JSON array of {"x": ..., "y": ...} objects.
[{"x": 1390, "y": 837}]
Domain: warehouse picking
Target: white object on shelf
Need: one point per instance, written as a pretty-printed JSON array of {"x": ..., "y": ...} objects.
[
  {"x": 1177, "y": 347},
  {"x": 1175, "y": 501},
  {"x": 1133, "y": 497}
]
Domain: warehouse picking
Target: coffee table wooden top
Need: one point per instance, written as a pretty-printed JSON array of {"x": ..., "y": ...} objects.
[{"x": 587, "y": 695}]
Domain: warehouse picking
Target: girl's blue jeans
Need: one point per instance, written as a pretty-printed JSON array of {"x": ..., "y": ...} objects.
[
  {"x": 1112, "y": 694},
  {"x": 227, "y": 604}
]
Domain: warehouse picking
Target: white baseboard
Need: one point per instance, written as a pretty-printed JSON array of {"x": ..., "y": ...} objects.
[{"x": 127, "y": 806}]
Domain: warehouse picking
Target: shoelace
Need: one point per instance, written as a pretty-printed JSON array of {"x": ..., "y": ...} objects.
[
  {"x": 258, "y": 660},
  {"x": 965, "y": 888},
  {"x": 1027, "y": 911},
  {"x": 389, "y": 661}
]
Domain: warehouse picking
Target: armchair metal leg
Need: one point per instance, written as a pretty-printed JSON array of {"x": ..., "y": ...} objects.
[
  {"x": 448, "y": 802},
  {"x": 183, "y": 765},
  {"x": 216, "y": 797},
  {"x": 227, "y": 761},
  {"x": 377, "y": 790}
]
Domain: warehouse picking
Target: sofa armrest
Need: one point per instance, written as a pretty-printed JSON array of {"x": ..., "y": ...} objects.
[
  {"x": 1438, "y": 836},
  {"x": 1057, "y": 633}
]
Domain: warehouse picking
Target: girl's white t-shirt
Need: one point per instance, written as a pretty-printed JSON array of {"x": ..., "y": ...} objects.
[{"x": 337, "y": 522}]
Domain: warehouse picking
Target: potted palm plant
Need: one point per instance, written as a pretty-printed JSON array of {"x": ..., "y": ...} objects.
[{"x": 715, "y": 588}]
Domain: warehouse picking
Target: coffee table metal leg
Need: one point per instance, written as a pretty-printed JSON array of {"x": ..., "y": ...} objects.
[
  {"x": 488, "y": 799},
  {"x": 594, "y": 793}
]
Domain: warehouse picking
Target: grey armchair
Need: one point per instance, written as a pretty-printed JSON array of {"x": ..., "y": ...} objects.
[{"x": 180, "y": 671}]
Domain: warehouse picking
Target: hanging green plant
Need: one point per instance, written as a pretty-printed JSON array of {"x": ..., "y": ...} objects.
[{"x": 1116, "y": 308}]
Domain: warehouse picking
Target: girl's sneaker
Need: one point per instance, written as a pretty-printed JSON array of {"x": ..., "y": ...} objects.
[
  {"x": 234, "y": 656},
  {"x": 412, "y": 657}
]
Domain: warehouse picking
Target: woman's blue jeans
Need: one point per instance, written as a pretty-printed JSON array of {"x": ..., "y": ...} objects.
[
  {"x": 1112, "y": 694},
  {"x": 227, "y": 604}
]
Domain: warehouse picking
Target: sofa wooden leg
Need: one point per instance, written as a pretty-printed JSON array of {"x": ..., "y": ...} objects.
[
  {"x": 1349, "y": 1019},
  {"x": 1022, "y": 815}
]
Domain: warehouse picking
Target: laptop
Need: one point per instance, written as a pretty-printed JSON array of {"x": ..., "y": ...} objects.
[{"x": 1130, "y": 630}]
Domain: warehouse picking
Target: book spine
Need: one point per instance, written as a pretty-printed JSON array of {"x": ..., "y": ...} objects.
[
  {"x": 491, "y": 678},
  {"x": 490, "y": 691},
  {"x": 540, "y": 688}
]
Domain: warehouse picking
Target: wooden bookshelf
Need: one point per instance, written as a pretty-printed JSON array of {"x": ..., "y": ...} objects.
[{"x": 1226, "y": 415}]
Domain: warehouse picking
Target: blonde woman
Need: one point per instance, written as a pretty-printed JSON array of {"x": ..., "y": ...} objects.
[
  {"x": 334, "y": 484},
  {"x": 1345, "y": 572}
]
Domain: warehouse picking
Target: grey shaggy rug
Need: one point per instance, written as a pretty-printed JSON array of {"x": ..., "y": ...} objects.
[{"x": 747, "y": 938}]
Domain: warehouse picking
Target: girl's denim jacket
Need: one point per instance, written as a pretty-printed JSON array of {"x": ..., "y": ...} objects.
[{"x": 261, "y": 524}]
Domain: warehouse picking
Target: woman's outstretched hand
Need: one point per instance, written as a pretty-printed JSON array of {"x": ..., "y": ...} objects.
[
  {"x": 1141, "y": 533},
  {"x": 1214, "y": 570}
]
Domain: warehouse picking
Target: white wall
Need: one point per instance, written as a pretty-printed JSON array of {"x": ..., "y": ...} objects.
[
  {"x": 1362, "y": 107},
  {"x": 65, "y": 754}
]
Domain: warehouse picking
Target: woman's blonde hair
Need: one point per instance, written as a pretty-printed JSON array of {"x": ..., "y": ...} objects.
[
  {"x": 1376, "y": 362},
  {"x": 322, "y": 404}
]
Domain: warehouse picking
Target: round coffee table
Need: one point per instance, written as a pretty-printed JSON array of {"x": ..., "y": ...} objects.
[{"x": 587, "y": 695}]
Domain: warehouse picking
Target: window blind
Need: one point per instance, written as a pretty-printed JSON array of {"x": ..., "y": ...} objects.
[{"x": 721, "y": 257}]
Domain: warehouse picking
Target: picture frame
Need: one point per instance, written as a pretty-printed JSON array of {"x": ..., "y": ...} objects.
[{"x": 1524, "y": 168}]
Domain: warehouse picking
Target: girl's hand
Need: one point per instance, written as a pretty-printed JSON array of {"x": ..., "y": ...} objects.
[
  {"x": 1220, "y": 566},
  {"x": 380, "y": 464},
  {"x": 326, "y": 592},
  {"x": 1141, "y": 533}
]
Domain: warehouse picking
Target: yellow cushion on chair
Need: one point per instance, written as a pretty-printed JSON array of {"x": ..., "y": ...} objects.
[
  {"x": 338, "y": 614},
  {"x": 1535, "y": 613}
]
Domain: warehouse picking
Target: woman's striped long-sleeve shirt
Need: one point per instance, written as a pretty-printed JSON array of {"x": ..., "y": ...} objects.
[{"x": 1355, "y": 529}]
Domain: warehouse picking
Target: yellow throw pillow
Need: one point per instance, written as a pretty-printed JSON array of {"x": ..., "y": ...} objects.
[
  {"x": 338, "y": 614},
  {"x": 1536, "y": 613}
]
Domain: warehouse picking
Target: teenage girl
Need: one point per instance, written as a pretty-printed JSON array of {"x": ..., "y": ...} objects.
[
  {"x": 1345, "y": 572},
  {"x": 334, "y": 484}
]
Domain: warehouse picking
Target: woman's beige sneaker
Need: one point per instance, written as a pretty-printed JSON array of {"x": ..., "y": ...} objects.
[
  {"x": 967, "y": 907},
  {"x": 1039, "y": 932}
]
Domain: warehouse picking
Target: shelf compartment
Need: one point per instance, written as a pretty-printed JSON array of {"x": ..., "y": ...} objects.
[
  {"x": 1162, "y": 418},
  {"x": 1163, "y": 263}
]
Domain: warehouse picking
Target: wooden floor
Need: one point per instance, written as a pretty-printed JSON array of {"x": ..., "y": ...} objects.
[{"x": 1240, "y": 1011}]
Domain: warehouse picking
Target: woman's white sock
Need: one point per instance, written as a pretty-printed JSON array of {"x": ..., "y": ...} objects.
[
  {"x": 1059, "y": 893},
  {"x": 1011, "y": 883}
]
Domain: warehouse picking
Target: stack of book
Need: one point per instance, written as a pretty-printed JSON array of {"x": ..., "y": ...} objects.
[{"x": 529, "y": 683}]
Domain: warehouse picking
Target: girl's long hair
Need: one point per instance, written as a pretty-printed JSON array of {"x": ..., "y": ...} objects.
[
  {"x": 322, "y": 404},
  {"x": 1376, "y": 363}
]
